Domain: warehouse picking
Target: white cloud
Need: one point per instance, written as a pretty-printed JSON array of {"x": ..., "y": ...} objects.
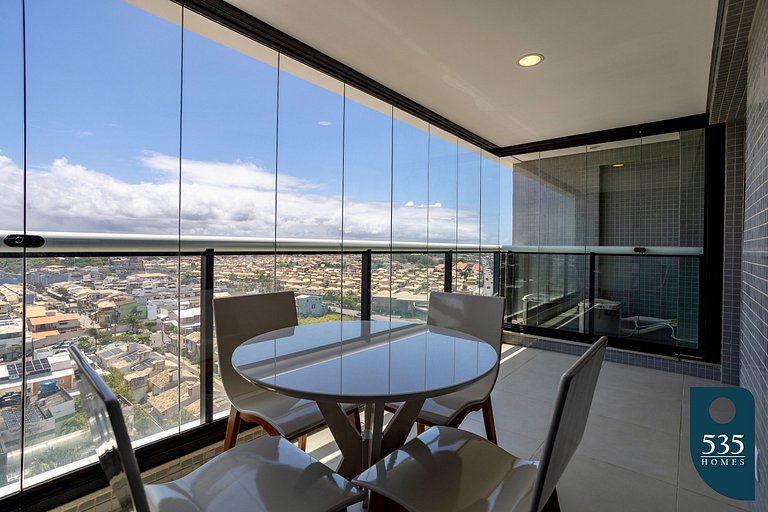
[
  {"x": 84, "y": 133},
  {"x": 218, "y": 199}
]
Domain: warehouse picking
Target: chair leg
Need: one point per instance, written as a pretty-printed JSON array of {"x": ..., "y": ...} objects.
[
  {"x": 233, "y": 428},
  {"x": 553, "y": 504},
  {"x": 354, "y": 417},
  {"x": 302, "y": 441},
  {"x": 490, "y": 425},
  {"x": 420, "y": 428}
]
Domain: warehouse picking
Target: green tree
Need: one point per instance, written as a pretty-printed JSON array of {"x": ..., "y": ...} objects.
[
  {"x": 78, "y": 422},
  {"x": 116, "y": 382},
  {"x": 62, "y": 292},
  {"x": 84, "y": 344},
  {"x": 135, "y": 321}
]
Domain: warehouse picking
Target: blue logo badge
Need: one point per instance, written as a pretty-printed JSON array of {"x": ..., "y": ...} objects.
[{"x": 723, "y": 439}]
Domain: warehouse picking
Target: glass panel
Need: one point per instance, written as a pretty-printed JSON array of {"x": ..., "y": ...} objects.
[
  {"x": 316, "y": 281},
  {"x": 412, "y": 278},
  {"x": 617, "y": 287},
  {"x": 466, "y": 273},
  {"x": 562, "y": 198},
  {"x": 310, "y": 154},
  {"x": 692, "y": 167},
  {"x": 367, "y": 187},
  {"x": 648, "y": 299},
  {"x": 488, "y": 274},
  {"x": 490, "y": 210},
  {"x": 237, "y": 275},
  {"x": 103, "y": 146},
  {"x": 525, "y": 198},
  {"x": 187, "y": 414},
  {"x": 466, "y": 265},
  {"x": 11, "y": 221},
  {"x": 469, "y": 201},
  {"x": 351, "y": 277},
  {"x": 410, "y": 273},
  {"x": 367, "y": 170},
  {"x": 228, "y": 177},
  {"x": 562, "y": 277},
  {"x": 102, "y": 118},
  {"x": 520, "y": 287},
  {"x": 381, "y": 286},
  {"x": 229, "y": 134},
  {"x": 443, "y": 193},
  {"x": 410, "y": 180},
  {"x": 506, "y": 202},
  {"x": 617, "y": 195}
]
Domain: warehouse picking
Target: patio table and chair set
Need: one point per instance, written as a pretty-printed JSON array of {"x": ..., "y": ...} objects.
[{"x": 293, "y": 380}]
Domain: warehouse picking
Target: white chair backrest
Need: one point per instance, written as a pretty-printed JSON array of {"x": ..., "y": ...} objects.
[
  {"x": 240, "y": 318},
  {"x": 574, "y": 399},
  {"x": 110, "y": 436},
  {"x": 476, "y": 315}
]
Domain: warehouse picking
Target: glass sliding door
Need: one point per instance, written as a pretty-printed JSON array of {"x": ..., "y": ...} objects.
[
  {"x": 228, "y": 176},
  {"x": 608, "y": 240},
  {"x": 12, "y": 295},
  {"x": 103, "y": 90}
]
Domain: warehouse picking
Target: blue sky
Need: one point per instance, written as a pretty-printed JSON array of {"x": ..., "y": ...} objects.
[{"x": 104, "y": 98}]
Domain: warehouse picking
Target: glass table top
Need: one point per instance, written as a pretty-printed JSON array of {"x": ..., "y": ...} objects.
[{"x": 364, "y": 360}]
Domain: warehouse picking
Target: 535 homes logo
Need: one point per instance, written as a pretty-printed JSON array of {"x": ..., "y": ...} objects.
[{"x": 723, "y": 439}]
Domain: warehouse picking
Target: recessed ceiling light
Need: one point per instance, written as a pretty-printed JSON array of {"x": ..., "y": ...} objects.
[
  {"x": 529, "y": 60},
  {"x": 617, "y": 165}
]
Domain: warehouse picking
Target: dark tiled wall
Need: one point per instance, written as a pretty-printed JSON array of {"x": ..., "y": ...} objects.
[
  {"x": 733, "y": 223},
  {"x": 636, "y": 193},
  {"x": 754, "y": 302}
]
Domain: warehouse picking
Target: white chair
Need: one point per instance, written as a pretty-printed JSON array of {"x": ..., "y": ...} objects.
[
  {"x": 481, "y": 317},
  {"x": 448, "y": 469},
  {"x": 268, "y": 474},
  {"x": 237, "y": 319}
]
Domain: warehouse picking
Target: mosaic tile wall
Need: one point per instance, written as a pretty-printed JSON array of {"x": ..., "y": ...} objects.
[
  {"x": 647, "y": 192},
  {"x": 733, "y": 223},
  {"x": 754, "y": 302}
]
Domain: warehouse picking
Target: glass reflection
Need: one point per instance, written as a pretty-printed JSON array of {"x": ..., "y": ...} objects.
[
  {"x": 310, "y": 154},
  {"x": 229, "y": 132},
  {"x": 410, "y": 180},
  {"x": 442, "y": 214}
]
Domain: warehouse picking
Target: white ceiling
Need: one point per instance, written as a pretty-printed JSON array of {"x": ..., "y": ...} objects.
[{"x": 608, "y": 63}]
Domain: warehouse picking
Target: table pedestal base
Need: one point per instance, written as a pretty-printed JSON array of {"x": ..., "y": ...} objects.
[{"x": 360, "y": 450}]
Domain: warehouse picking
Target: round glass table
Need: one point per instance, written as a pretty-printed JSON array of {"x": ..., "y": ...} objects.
[{"x": 369, "y": 362}]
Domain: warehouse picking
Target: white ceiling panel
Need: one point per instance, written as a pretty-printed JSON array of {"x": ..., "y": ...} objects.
[{"x": 607, "y": 63}]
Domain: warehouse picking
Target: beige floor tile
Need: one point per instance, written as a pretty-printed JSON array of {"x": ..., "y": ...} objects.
[
  {"x": 639, "y": 449},
  {"x": 688, "y": 501},
  {"x": 520, "y": 445},
  {"x": 590, "y": 485},
  {"x": 642, "y": 380},
  {"x": 656, "y": 412}
]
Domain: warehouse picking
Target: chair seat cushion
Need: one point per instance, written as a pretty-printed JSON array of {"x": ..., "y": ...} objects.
[
  {"x": 448, "y": 469},
  {"x": 290, "y": 416},
  {"x": 440, "y": 410},
  {"x": 267, "y": 474}
]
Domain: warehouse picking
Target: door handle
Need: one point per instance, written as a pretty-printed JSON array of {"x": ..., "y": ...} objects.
[{"x": 26, "y": 241}]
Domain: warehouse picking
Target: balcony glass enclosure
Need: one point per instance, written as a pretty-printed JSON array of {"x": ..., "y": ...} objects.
[
  {"x": 151, "y": 165},
  {"x": 163, "y": 160},
  {"x": 608, "y": 239}
]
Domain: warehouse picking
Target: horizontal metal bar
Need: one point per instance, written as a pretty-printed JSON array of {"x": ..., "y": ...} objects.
[
  {"x": 606, "y": 250},
  {"x": 71, "y": 242}
]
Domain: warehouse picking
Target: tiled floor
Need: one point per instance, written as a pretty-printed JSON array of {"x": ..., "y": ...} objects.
[{"x": 634, "y": 456}]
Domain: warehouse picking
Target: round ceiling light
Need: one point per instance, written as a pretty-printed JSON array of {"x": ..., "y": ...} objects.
[
  {"x": 529, "y": 60},
  {"x": 618, "y": 165}
]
